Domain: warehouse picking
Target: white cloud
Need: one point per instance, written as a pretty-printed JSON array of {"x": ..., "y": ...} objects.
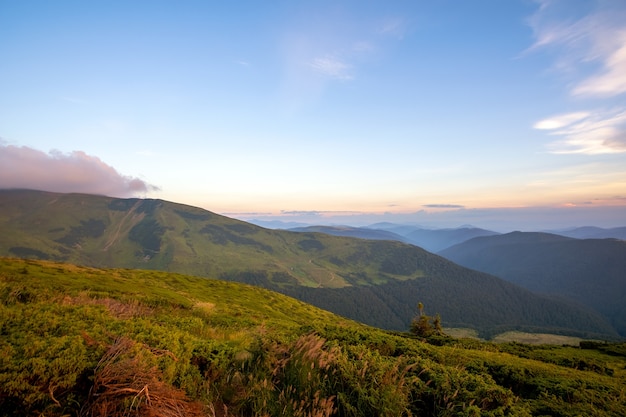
[
  {"x": 588, "y": 39},
  {"x": 331, "y": 67},
  {"x": 77, "y": 172},
  {"x": 592, "y": 47},
  {"x": 612, "y": 80},
  {"x": 560, "y": 121},
  {"x": 590, "y": 133}
]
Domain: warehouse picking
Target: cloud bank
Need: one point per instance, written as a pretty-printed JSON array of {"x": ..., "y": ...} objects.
[{"x": 74, "y": 172}]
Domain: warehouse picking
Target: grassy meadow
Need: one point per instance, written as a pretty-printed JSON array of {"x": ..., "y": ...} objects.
[{"x": 118, "y": 342}]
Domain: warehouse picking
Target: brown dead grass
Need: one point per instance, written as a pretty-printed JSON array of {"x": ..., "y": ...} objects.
[
  {"x": 125, "y": 385},
  {"x": 118, "y": 309}
]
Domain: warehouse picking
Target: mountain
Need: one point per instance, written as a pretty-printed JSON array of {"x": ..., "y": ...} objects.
[
  {"x": 399, "y": 229},
  {"x": 277, "y": 224},
  {"x": 347, "y": 231},
  {"x": 78, "y": 341},
  {"x": 591, "y": 232},
  {"x": 589, "y": 271},
  {"x": 438, "y": 239},
  {"x": 375, "y": 282},
  {"x": 433, "y": 240}
]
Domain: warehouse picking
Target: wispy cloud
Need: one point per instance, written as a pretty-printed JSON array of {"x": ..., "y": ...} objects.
[
  {"x": 561, "y": 120},
  {"x": 611, "y": 80},
  {"x": 24, "y": 167},
  {"x": 444, "y": 206},
  {"x": 591, "y": 47},
  {"x": 331, "y": 67},
  {"x": 315, "y": 213},
  {"x": 590, "y": 133},
  {"x": 590, "y": 51},
  {"x": 393, "y": 26},
  {"x": 300, "y": 212}
]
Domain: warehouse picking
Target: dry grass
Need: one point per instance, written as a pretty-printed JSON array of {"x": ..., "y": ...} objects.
[
  {"x": 118, "y": 309},
  {"x": 536, "y": 339},
  {"x": 125, "y": 385},
  {"x": 205, "y": 306}
]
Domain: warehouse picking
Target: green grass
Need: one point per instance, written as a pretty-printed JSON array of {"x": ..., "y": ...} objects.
[{"x": 86, "y": 341}]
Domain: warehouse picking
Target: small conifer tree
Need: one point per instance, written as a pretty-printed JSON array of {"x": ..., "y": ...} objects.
[{"x": 425, "y": 326}]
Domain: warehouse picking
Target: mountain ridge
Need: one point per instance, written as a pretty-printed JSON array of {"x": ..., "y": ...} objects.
[{"x": 155, "y": 234}]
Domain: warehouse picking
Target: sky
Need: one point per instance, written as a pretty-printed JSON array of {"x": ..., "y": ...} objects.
[{"x": 509, "y": 115}]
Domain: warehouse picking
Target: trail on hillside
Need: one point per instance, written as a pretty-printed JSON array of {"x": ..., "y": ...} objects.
[{"x": 116, "y": 235}]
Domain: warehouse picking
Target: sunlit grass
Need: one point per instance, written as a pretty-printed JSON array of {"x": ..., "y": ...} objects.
[{"x": 76, "y": 338}]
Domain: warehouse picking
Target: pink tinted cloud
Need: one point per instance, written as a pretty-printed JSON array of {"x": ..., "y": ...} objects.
[{"x": 74, "y": 172}]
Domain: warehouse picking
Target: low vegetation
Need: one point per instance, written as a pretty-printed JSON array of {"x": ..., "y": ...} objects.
[{"x": 116, "y": 342}]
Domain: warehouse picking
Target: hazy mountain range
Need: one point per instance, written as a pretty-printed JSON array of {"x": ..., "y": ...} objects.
[
  {"x": 432, "y": 240},
  {"x": 591, "y": 232},
  {"x": 378, "y": 282}
]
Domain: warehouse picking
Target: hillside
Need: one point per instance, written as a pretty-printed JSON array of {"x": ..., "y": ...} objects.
[
  {"x": 117, "y": 342},
  {"x": 588, "y": 271},
  {"x": 375, "y": 282}
]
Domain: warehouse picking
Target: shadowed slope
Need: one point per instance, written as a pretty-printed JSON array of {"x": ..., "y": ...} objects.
[{"x": 588, "y": 271}]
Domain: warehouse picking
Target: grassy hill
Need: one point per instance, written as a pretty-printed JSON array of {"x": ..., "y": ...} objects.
[
  {"x": 375, "y": 282},
  {"x": 588, "y": 271},
  {"x": 118, "y": 342}
]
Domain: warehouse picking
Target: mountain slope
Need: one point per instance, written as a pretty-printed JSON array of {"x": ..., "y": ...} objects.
[
  {"x": 384, "y": 279},
  {"x": 119, "y": 342},
  {"x": 589, "y": 271}
]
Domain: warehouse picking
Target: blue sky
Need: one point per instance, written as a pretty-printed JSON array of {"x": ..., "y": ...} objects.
[{"x": 439, "y": 112}]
